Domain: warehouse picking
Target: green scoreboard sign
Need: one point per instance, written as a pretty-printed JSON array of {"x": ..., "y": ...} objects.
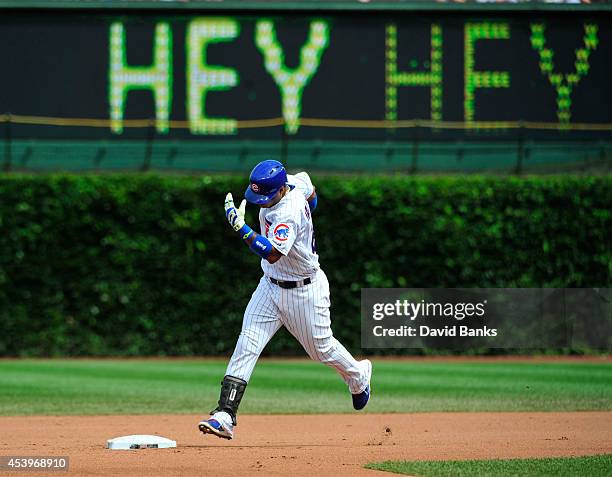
[{"x": 213, "y": 72}]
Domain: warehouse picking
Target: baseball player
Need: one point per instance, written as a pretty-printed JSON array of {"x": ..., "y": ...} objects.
[{"x": 293, "y": 291}]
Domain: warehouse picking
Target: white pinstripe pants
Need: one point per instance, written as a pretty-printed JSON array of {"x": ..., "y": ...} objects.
[{"x": 304, "y": 311}]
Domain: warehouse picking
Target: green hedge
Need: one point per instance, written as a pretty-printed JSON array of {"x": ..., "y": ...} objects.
[{"x": 146, "y": 264}]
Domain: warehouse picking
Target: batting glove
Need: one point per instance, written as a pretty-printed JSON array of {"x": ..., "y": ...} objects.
[{"x": 235, "y": 216}]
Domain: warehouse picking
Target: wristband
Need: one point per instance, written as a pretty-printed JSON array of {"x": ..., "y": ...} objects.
[
  {"x": 245, "y": 231},
  {"x": 261, "y": 246}
]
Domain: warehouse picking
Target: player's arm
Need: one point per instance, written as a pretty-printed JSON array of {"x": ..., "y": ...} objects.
[
  {"x": 254, "y": 239},
  {"x": 302, "y": 181},
  {"x": 256, "y": 242}
]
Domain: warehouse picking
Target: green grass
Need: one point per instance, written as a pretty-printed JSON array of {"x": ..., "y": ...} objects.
[
  {"x": 289, "y": 386},
  {"x": 593, "y": 466}
]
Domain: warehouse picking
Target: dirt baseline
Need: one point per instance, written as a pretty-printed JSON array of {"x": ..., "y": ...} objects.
[{"x": 298, "y": 445}]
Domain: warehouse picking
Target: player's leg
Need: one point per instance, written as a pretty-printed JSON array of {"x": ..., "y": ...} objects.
[
  {"x": 305, "y": 313},
  {"x": 261, "y": 321}
]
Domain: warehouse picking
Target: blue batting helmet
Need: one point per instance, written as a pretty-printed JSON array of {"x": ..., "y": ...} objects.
[{"x": 265, "y": 181}]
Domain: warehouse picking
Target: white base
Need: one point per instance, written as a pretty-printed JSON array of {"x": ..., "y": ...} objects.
[{"x": 139, "y": 442}]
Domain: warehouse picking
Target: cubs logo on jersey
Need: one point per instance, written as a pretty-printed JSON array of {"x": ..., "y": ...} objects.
[{"x": 281, "y": 232}]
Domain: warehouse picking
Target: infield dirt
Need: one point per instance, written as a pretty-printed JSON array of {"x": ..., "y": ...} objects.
[{"x": 298, "y": 445}]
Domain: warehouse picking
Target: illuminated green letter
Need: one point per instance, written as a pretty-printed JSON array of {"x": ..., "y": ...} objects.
[
  {"x": 202, "y": 78},
  {"x": 291, "y": 82},
  {"x": 157, "y": 77},
  {"x": 564, "y": 82},
  {"x": 431, "y": 78},
  {"x": 482, "y": 79}
]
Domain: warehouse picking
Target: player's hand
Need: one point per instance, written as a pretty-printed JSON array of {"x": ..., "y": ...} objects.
[{"x": 235, "y": 216}]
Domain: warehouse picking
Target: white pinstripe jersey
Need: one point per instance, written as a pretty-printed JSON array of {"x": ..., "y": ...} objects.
[{"x": 288, "y": 226}]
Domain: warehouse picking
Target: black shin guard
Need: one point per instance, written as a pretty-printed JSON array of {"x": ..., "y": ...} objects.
[{"x": 232, "y": 390}]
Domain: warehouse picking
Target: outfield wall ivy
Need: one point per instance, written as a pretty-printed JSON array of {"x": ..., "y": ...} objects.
[{"x": 147, "y": 265}]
